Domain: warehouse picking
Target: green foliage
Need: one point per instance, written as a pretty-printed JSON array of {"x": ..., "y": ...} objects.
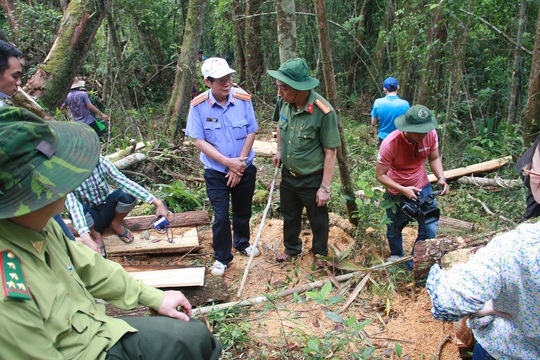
[
  {"x": 323, "y": 296},
  {"x": 178, "y": 198},
  {"x": 335, "y": 342},
  {"x": 233, "y": 333}
]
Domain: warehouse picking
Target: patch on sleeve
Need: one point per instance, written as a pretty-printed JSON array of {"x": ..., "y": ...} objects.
[
  {"x": 13, "y": 282},
  {"x": 199, "y": 99},
  {"x": 325, "y": 108},
  {"x": 242, "y": 96}
]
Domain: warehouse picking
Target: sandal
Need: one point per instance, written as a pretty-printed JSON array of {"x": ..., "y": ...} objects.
[
  {"x": 284, "y": 257},
  {"x": 102, "y": 248},
  {"x": 126, "y": 236}
]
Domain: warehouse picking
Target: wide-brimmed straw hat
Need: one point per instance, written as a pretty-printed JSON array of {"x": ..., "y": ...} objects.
[
  {"x": 295, "y": 73},
  {"x": 77, "y": 84},
  {"x": 41, "y": 161},
  {"x": 418, "y": 119}
]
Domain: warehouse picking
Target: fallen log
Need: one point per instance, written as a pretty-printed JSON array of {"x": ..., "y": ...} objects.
[
  {"x": 445, "y": 221},
  {"x": 134, "y": 147},
  {"x": 496, "y": 181},
  {"x": 139, "y": 223},
  {"x": 474, "y": 169},
  {"x": 429, "y": 252},
  {"x": 129, "y": 161}
]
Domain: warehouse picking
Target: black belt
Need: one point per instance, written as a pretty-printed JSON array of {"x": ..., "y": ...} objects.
[{"x": 298, "y": 176}]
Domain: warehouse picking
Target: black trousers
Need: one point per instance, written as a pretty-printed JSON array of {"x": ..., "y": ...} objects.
[
  {"x": 295, "y": 195},
  {"x": 240, "y": 199},
  {"x": 160, "y": 337}
]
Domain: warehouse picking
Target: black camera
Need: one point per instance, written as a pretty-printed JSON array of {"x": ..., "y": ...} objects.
[{"x": 419, "y": 207}]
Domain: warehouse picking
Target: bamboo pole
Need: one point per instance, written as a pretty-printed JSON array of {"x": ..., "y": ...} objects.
[{"x": 261, "y": 226}]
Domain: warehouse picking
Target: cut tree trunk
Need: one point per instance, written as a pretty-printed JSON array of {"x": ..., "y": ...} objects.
[
  {"x": 473, "y": 169},
  {"x": 445, "y": 221},
  {"x": 497, "y": 181},
  {"x": 429, "y": 252},
  {"x": 140, "y": 223}
]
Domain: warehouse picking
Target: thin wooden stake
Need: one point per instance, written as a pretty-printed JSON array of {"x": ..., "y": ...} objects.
[{"x": 261, "y": 226}]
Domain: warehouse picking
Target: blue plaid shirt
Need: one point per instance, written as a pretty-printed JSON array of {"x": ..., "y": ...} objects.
[{"x": 95, "y": 189}]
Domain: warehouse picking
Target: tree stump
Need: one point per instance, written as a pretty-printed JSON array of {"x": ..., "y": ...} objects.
[{"x": 429, "y": 252}]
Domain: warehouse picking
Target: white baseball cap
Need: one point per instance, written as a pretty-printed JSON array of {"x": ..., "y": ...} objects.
[{"x": 216, "y": 68}]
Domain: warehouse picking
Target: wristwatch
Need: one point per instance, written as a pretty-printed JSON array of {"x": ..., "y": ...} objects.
[
  {"x": 326, "y": 188},
  {"x": 442, "y": 177}
]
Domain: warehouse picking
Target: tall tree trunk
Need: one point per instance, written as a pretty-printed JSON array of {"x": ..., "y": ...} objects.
[
  {"x": 51, "y": 82},
  {"x": 516, "y": 66},
  {"x": 254, "y": 64},
  {"x": 122, "y": 86},
  {"x": 10, "y": 7},
  {"x": 332, "y": 95},
  {"x": 531, "y": 117},
  {"x": 358, "y": 49},
  {"x": 430, "y": 84},
  {"x": 286, "y": 25},
  {"x": 239, "y": 12},
  {"x": 377, "y": 56},
  {"x": 183, "y": 83}
]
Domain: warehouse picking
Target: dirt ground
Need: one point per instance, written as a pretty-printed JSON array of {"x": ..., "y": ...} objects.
[
  {"x": 400, "y": 316},
  {"x": 405, "y": 319}
]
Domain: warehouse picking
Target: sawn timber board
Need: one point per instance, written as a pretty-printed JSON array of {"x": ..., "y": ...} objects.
[
  {"x": 171, "y": 278},
  {"x": 185, "y": 239}
]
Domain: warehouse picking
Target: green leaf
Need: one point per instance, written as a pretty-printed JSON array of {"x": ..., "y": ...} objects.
[
  {"x": 398, "y": 349},
  {"x": 326, "y": 289},
  {"x": 335, "y": 317}
]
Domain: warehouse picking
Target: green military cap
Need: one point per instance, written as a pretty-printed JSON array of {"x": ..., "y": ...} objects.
[
  {"x": 295, "y": 73},
  {"x": 418, "y": 119},
  {"x": 41, "y": 161}
]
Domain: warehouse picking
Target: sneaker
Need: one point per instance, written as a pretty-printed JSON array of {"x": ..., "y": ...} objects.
[
  {"x": 218, "y": 269},
  {"x": 250, "y": 249},
  {"x": 393, "y": 258}
]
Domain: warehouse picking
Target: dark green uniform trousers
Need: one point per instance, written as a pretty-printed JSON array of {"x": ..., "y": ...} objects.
[
  {"x": 160, "y": 337},
  {"x": 296, "y": 194}
]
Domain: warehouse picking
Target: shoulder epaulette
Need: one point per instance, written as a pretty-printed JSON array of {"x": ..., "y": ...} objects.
[
  {"x": 13, "y": 282},
  {"x": 199, "y": 99},
  {"x": 242, "y": 96},
  {"x": 325, "y": 108}
]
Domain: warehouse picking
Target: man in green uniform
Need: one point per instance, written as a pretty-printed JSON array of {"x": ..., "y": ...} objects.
[
  {"x": 50, "y": 284},
  {"x": 308, "y": 140}
]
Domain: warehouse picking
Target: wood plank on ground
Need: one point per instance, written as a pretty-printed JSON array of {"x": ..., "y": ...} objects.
[
  {"x": 264, "y": 148},
  {"x": 171, "y": 277},
  {"x": 184, "y": 240}
]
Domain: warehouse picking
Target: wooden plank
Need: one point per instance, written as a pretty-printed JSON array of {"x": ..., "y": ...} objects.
[
  {"x": 171, "y": 277},
  {"x": 264, "y": 148},
  {"x": 184, "y": 240},
  {"x": 474, "y": 169}
]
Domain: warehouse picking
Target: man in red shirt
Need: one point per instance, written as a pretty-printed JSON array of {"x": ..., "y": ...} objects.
[{"x": 401, "y": 168}]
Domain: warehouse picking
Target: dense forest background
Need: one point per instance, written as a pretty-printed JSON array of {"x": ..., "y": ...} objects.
[{"x": 474, "y": 62}]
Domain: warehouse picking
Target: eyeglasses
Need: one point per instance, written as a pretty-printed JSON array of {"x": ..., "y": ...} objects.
[{"x": 224, "y": 80}]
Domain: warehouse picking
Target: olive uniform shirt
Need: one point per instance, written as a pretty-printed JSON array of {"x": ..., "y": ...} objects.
[
  {"x": 306, "y": 133},
  {"x": 60, "y": 278}
]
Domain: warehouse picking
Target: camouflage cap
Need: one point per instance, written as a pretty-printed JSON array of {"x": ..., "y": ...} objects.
[{"x": 41, "y": 162}]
